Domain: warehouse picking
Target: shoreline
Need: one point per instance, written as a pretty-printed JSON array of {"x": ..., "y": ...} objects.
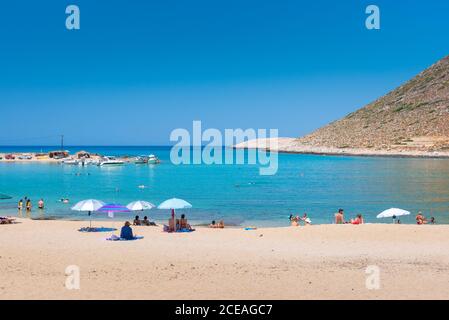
[
  {"x": 290, "y": 146},
  {"x": 325, "y": 261}
]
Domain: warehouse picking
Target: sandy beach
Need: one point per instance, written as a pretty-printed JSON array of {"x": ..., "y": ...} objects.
[{"x": 315, "y": 262}]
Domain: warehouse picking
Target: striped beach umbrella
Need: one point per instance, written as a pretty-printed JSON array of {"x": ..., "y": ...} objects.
[
  {"x": 113, "y": 208},
  {"x": 140, "y": 206}
]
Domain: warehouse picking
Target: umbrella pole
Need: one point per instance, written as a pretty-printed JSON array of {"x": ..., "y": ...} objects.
[{"x": 90, "y": 221}]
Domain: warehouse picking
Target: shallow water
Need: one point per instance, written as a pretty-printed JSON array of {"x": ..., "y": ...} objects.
[{"x": 318, "y": 185}]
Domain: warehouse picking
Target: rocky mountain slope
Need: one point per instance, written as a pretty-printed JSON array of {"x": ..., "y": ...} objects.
[{"x": 413, "y": 117}]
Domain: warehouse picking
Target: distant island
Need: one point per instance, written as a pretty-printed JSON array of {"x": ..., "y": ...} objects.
[{"x": 412, "y": 120}]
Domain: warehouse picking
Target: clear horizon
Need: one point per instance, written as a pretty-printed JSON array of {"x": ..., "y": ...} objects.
[{"x": 133, "y": 73}]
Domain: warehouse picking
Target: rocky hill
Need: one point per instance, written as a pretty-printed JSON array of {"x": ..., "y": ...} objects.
[{"x": 413, "y": 117}]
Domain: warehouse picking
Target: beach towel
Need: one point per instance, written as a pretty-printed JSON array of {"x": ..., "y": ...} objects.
[
  {"x": 116, "y": 238},
  {"x": 166, "y": 229},
  {"x": 250, "y": 228},
  {"x": 101, "y": 229}
]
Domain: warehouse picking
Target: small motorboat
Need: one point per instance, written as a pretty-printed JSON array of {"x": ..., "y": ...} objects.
[
  {"x": 71, "y": 162},
  {"x": 111, "y": 161},
  {"x": 152, "y": 159},
  {"x": 141, "y": 160}
]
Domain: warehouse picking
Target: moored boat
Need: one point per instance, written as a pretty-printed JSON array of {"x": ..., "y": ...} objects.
[
  {"x": 110, "y": 161},
  {"x": 152, "y": 159}
]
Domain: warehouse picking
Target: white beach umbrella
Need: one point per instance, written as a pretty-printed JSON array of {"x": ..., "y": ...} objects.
[
  {"x": 89, "y": 206},
  {"x": 393, "y": 213},
  {"x": 174, "y": 203},
  {"x": 140, "y": 206}
]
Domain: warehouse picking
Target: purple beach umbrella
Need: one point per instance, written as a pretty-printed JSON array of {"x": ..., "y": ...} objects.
[{"x": 112, "y": 208}]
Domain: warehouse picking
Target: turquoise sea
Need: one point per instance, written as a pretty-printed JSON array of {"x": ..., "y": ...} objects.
[{"x": 315, "y": 184}]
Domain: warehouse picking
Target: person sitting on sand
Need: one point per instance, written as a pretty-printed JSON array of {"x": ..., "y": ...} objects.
[
  {"x": 126, "y": 232},
  {"x": 146, "y": 222},
  {"x": 357, "y": 220},
  {"x": 215, "y": 225},
  {"x": 183, "y": 223},
  {"x": 294, "y": 221},
  {"x": 172, "y": 227},
  {"x": 420, "y": 219},
  {"x": 339, "y": 217},
  {"x": 306, "y": 220},
  {"x": 41, "y": 204},
  {"x": 137, "y": 221}
]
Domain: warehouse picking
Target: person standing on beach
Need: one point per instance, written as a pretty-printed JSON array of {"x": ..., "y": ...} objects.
[
  {"x": 41, "y": 204},
  {"x": 28, "y": 205},
  {"x": 20, "y": 205}
]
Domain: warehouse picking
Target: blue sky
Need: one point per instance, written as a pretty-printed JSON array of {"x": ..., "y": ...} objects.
[{"x": 136, "y": 70}]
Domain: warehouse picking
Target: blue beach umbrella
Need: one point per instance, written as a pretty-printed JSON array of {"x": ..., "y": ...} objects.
[{"x": 113, "y": 208}]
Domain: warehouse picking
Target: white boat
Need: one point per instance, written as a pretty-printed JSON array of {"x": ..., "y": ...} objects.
[
  {"x": 141, "y": 160},
  {"x": 152, "y": 159},
  {"x": 111, "y": 161},
  {"x": 72, "y": 162}
]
